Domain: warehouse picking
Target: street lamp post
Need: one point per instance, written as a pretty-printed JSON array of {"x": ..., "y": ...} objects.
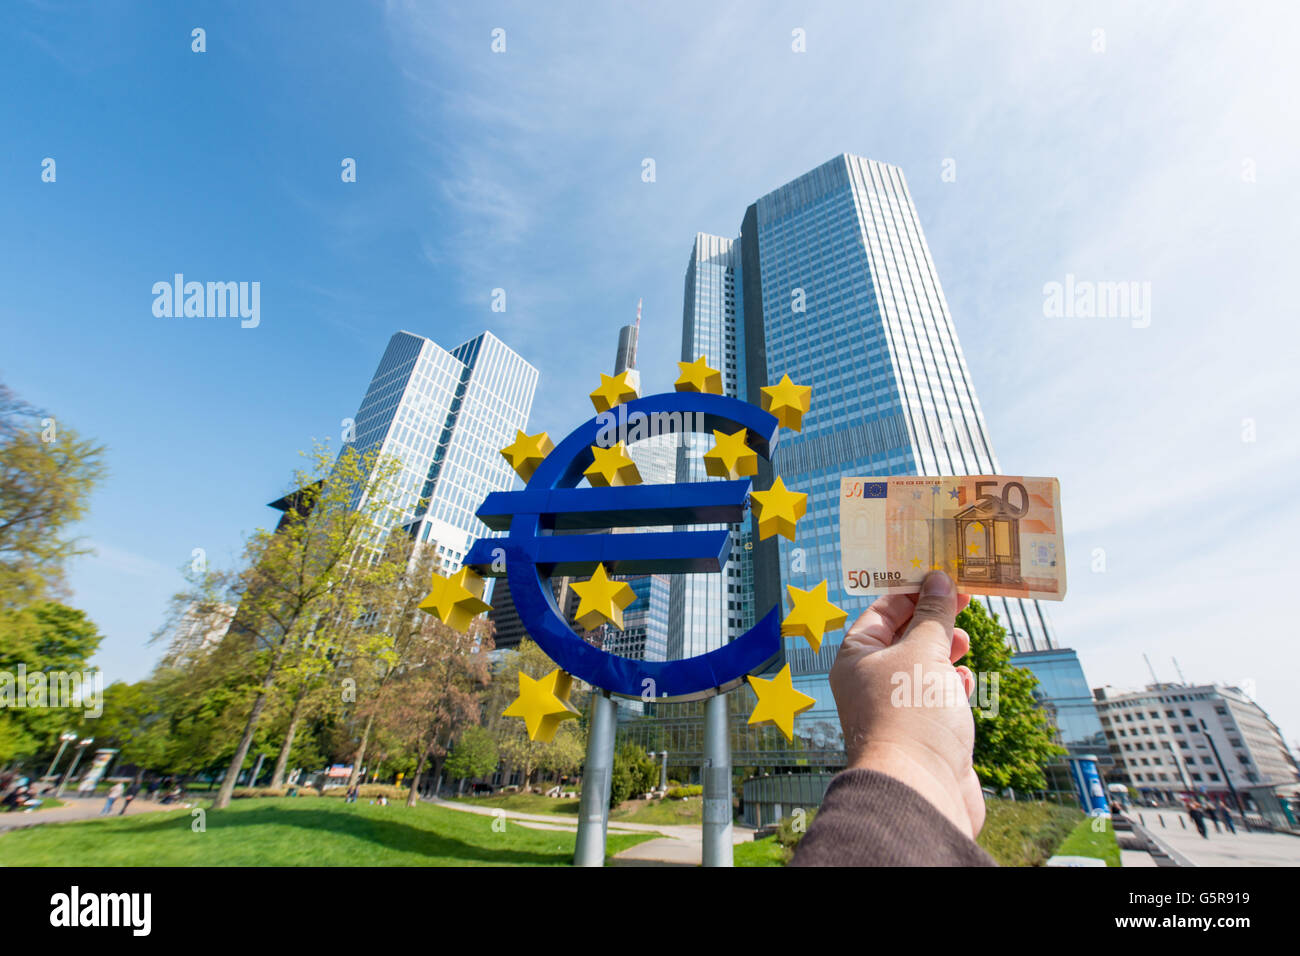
[
  {"x": 663, "y": 768},
  {"x": 1236, "y": 801},
  {"x": 64, "y": 740},
  {"x": 81, "y": 749}
]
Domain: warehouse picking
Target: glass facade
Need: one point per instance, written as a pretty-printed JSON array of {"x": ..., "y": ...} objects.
[
  {"x": 1063, "y": 690},
  {"x": 446, "y": 416},
  {"x": 708, "y": 610},
  {"x": 846, "y": 299},
  {"x": 832, "y": 283}
]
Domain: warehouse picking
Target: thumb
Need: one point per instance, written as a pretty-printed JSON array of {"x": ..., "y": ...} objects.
[{"x": 935, "y": 614}]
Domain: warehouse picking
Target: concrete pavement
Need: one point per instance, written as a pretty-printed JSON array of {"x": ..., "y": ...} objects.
[
  {"x": 1174, "y": 831},
  {"x": 76, "y": 808}
]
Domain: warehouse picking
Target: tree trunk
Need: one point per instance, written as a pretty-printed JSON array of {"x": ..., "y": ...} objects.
[
  {"x": 360, "y": 755},
  {"x": 437, "y": 774},
  {"x": 413, "y": 797},
  {"x": 246, "y": 741},
  {"x": 282, "y": 761}
]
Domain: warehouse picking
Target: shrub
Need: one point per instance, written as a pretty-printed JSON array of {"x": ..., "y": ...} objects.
[
  {"x": 681, "y": 793},
  {"x": 241, "y": 792},
  {"x": 792, "y": 828},
  {"x": 371, "y": 791}
]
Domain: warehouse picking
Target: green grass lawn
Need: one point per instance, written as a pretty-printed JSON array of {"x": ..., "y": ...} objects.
[
  {"x": 296, "y": 832},
  {"x": 526, "y": 803},
  {"x": 658, "y": 812},
  {"x": 765, "y": 852},
  {"x": 1024, "y": 833},
  {"x": 1083, "y": 841}
]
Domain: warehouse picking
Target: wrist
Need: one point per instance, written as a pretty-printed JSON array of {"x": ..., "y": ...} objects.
[{"x": 926, "y": 773}]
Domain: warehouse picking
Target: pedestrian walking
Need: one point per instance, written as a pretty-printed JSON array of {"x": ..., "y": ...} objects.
[
  {"x": 1214, "y": 817},
  {"x": 1226, "y": 815},
  {"x": 1198, "y": 818},
  {"x": 114, "y": 792},
  {"x": 132, "y": 792}
]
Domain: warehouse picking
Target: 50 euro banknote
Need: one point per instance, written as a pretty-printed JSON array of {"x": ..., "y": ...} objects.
[{"x": 993, "y": 534}]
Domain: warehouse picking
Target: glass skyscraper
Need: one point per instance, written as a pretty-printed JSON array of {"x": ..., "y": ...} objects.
[
  {"x": 709, "y": 610},
  {"x": 446, "y": 416},
  {"x": 832, "y": 283}
]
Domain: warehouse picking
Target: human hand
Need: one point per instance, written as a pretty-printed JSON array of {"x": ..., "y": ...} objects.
[{"x": 923, "y": 736}]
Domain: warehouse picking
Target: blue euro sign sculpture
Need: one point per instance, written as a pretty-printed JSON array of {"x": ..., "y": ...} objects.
[{"x": 552, "y": 503}]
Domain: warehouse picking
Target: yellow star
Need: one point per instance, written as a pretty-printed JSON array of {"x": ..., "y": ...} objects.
[
  {"x": 811, "y": 615},
  {"x": 612, "y": 468},
  {"x": 778, "y": 510},
  {"x": 614, "y": 390},
  {"x": 787, "y": 402},
  {"x": 602, "y": 600},
  {"x": 543, "y": 704},
  {"x": 527, "y": 452},
  {"x": 456, "y": 600},
  {"x": 730, "y": 457},
  {"x": 778, "y": 701},
  {"x": 698, "y": 377},
  {"x": 973, "y": 548},
  {"x": 916, "y": 562}
]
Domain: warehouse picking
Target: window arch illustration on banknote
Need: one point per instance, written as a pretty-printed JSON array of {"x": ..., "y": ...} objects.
[{"x": 988, "y": 537}]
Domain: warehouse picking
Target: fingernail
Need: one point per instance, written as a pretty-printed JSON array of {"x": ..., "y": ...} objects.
[{"x": 936, "y": 584}]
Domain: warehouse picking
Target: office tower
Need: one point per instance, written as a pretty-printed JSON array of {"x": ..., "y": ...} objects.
[
  {"x": 445, "y": 416},
  {"x": 644, "y": 635},
  {"x": 707, "y": 611},
  {"x": 1176, "y": 738},
  {"x": 832, "y": 283},
  {"x": 839, "y": 292},
  {"x": 199, "y": 629},
  {"x": 1063, "y": 693}
]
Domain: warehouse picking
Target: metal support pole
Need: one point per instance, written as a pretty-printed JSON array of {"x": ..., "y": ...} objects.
[
  {"x": 663, "y": 772},
  {"x": 593, "y": 810},
  {"x": 717, "y": 784},
  {"x": 71, "y": 768},
  {"x": 63, "y": 745}
]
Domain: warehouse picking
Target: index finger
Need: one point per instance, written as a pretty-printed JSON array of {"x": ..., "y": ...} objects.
[{"x": 887, "y": 617}]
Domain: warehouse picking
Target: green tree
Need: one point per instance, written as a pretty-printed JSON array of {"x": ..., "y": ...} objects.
[
  {"x": 297, "y": 575},
  {"x": 566, "y": 750},
  {"x": 1013, "y": 736},
  {"x": 474, "y": 755},
  {"x": 54, "y": 639},
  {"x": 47, "y": 472},
  {"x": 634, "y": 772},
  {"x": 399, "y": 583}
]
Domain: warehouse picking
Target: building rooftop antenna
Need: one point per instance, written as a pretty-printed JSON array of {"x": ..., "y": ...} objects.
[
  {"x": 636, "y": 336},
  {"x": 1180, "y": 671},
  {"x": 1154, "y": 678}
]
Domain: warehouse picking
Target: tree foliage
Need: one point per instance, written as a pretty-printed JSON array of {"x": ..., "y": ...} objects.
[
  {"x": 566, "y": 751},
  {"x": 47, "y": 472},
  {"x": 1013, "y": 745}
]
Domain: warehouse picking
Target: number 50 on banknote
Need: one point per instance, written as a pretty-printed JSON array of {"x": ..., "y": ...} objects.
[{"x": 993, "y": 534}]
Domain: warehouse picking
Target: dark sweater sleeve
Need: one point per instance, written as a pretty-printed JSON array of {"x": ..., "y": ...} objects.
[{"x": 871, "y": 819}]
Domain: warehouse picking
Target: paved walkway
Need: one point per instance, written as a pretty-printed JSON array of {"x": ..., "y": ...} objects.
[
  {"x": 1220, "y": 848},
  {"x": 75, "y": 808},
  {"x": 677, "y": 844}
]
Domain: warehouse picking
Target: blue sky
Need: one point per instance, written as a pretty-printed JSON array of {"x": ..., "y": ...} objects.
[{"x": 1169, "y": 157}]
